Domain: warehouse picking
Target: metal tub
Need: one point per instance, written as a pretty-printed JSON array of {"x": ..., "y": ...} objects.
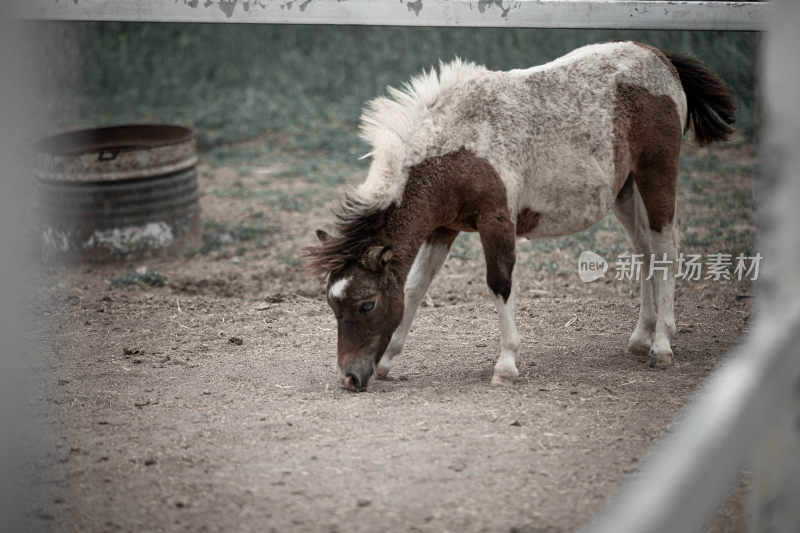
[{"x": 122, "y": 193}]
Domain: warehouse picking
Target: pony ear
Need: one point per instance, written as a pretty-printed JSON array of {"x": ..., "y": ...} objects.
[
  {"x": 377, "y": 257},
  {"x": 322, "y": 235}
]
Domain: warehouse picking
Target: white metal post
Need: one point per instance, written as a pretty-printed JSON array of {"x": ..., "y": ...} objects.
[{"x": 776, "y": 485}]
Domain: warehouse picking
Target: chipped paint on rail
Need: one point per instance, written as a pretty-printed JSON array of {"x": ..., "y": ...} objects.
[{"x": 731, "y": 16}]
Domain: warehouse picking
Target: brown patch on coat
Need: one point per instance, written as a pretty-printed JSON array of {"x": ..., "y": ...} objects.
[
  {"x": 711, "y": 111},
  {"x": 527, "y": 220},
  {"x": 481, "y": 205},
  {"x": 428, "y": 203},
  {"x": 647, "y": 143},
  {"x": 442, "y": 237}
]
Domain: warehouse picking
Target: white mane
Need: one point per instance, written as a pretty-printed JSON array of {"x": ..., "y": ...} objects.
[{"x": 398, "y": 128}]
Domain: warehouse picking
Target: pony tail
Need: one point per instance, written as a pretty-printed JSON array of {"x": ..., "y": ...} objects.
[{"x": 711, "y": 110}]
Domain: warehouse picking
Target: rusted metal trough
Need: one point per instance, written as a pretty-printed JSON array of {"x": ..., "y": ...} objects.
[{"x": 121, "y": 193}]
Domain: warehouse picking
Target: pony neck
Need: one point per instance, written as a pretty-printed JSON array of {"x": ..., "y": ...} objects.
[
  {"x": 410, "y": 224},
  {"x": 440, "y": 192}
]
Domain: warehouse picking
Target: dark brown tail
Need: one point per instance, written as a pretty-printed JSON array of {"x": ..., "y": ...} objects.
[{"x": 711, "y": 110}]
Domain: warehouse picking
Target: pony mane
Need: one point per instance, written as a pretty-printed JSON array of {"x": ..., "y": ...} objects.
[
  {"x": 399, "y": 129},
  {"x": 356, "y": 226}
]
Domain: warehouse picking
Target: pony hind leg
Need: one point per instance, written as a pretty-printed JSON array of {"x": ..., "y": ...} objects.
[
  {"x": 665, "y": 254},
  {"x": 498, "y": 238},
  {"x": 649, "y": 142},
  {"x": 430, "y": 258},
  {"x": 656, "y": 177},
  {"x": 630, "y": 211}
]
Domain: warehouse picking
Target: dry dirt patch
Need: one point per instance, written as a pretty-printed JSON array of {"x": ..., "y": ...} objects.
[
  {"x": 154, "y": 419},
  {"x": 158, "y": 421}
]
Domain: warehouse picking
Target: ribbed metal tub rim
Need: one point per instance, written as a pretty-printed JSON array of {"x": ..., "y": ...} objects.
[
  {"x": 126, "y": 151},
  {"x": 117, "y": 193}
]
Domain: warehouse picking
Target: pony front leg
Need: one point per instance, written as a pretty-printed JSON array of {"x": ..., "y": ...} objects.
[
  {"x": 498, "y": 238},
  {"x": 430, "y": 258},
  {"x": 505, "y": 370}
]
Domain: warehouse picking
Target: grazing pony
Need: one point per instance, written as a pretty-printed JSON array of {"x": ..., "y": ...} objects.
[{"x": 539, "y": 152}]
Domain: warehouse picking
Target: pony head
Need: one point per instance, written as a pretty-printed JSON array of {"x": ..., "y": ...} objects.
[{"x": 363, "y": 293}]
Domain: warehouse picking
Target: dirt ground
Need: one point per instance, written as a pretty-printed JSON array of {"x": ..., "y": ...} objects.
[{"x": 211, "y": 403}]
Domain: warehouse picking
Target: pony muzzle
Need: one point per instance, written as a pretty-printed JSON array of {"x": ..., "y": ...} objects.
[{"x": 358, "y": 375}]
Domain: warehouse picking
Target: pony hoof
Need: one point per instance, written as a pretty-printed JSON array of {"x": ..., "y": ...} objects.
[
  {"x": 660, "y": 361},
  {"x": 382, "y": 373},
  {"x": 639, "y": 349},
  {"x": 503, "y": 380}
]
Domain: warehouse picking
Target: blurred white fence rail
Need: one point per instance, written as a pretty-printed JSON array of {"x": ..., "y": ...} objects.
[
  {"x": 737, "y": 409},
  {"x": 735, "y": 16},
  {"x": 750, "y": 407}
]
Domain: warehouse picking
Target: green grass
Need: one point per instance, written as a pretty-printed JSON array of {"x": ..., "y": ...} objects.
[
  {"x": 226, "y": 240},
  {"x": 466, "y": 247},
  {"x": 133, "y": 278},
  {"x": 722, "y": 213},
  {"x": 691, "y": 163},
  {"x": 317, "y": 170},
  {"x": 288, "y": 259},
  {"x": 272, "y": 197},
  {"x": 303, "y": 87}
]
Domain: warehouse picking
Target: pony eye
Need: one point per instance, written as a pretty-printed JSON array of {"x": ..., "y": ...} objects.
[{"x": 366, "y": 307}]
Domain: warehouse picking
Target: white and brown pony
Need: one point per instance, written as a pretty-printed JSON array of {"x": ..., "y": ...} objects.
[{"x": 540, "y": 152}]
